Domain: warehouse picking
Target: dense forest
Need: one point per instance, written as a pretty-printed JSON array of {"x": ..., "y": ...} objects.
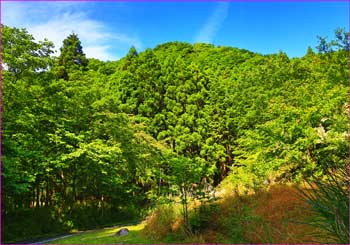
[{"x": 87, "y": 143}]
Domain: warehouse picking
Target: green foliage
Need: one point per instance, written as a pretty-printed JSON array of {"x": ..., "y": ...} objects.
[
  {"x": 66, "y": 145},
  {"x": 25, "y": 65},
  {"x": 340, "y": 43},
  {"x": 21, "y": 55},
  {"x": 85, "y": 138},
  {"x": 41, "y": 222},
  {"x": 71, "y": 57},
  {"x": 185, "y": 172},
  {"x": 329, "y": 200},
  {"x": 261, "y": 113},
  {"x": 202, "y": 217}
]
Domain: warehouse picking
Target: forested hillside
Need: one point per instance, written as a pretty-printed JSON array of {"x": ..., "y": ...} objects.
[{"x": 87, "y": 143}]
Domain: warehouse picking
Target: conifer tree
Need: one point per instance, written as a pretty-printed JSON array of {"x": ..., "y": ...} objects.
[{"x": 72, "y": 56}]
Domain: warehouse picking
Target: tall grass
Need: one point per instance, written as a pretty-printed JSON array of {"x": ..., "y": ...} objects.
[
  {"x": 329, "y": 200},
  {"x": 274, "y": 215},
  {"x": 271, "y": 215},
  {"x": 161, "y": 222}
]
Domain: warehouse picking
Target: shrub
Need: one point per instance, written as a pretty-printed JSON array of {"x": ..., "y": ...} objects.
[
  {"x": 201, "y": 218},
  {"x": 27, "y": 224}
]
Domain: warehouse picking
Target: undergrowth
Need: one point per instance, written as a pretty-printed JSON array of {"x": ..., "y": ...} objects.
[
  {"x": 329, "y": 201},
  {"x": 272, "y": 215}
]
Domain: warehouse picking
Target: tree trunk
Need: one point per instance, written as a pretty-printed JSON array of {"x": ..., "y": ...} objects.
[
  {"x": 47, "y": 192},
  {"x": 37, "y": 203}
]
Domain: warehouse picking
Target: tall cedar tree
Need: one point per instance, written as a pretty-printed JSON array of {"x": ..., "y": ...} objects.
[{"x": 72, "y": 56}]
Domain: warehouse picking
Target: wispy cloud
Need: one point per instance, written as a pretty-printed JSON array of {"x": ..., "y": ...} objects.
[
  {"x": 213, "y": 24},
  {"x": 55, "y": 21}
]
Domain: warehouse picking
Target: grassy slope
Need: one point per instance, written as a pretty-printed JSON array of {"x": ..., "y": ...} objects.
[{"x": 272, "y": 216}]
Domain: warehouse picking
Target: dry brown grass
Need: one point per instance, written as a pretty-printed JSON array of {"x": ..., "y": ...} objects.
[
  {"x": 161, "y": 222},
  {"x": 279, "y": 217},
  {"x": 275, "y": 215}
]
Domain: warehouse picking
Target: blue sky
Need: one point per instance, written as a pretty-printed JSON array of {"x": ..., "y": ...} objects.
[{"x": 108, "y": 29}]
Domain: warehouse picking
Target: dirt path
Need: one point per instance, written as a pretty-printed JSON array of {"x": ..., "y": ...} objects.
[{"x": 56, "y": 238}]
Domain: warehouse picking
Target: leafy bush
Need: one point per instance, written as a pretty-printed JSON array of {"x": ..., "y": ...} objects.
[{"x": 29, "y": 224}]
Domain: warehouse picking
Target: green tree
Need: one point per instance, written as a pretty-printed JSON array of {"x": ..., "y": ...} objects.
[
  {"x": 71, "y": 57},
  {"x": 25, "y": 64}
]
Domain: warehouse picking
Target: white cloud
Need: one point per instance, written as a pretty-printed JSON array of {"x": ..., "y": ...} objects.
[
  {"x": 91, "y": 33},
  {"x": 99, "y": 52},
  {"x": 213, "y": 24},
  {"x": 57, "y": 20}
]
